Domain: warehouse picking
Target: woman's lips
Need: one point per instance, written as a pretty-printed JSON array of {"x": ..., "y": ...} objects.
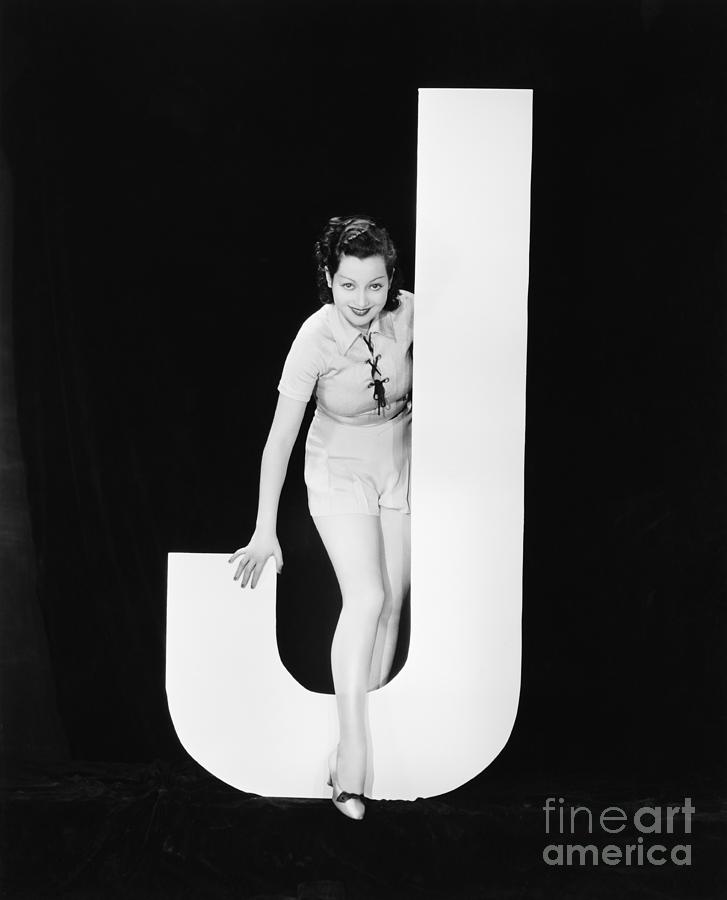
[{"x": 360, "y": 312}]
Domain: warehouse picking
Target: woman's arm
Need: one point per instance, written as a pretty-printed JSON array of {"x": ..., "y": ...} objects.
[
  {"x": 273, "y": 468},
  {"x": 275, "y": 458}
]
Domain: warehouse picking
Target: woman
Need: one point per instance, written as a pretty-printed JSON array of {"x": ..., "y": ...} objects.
[{"x": 355, "y": 353}]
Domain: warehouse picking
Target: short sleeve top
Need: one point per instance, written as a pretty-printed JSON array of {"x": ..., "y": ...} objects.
[{"x": 331, "y": 360}]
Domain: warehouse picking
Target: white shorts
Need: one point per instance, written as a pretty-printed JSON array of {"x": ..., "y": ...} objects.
[{"x": 358, "y": 468}]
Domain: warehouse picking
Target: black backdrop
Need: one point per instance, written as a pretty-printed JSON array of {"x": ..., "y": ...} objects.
[{"x": 171, "y": 164}]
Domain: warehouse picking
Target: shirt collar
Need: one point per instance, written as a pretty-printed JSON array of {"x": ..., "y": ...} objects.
[{"x": 345, "y": 334}]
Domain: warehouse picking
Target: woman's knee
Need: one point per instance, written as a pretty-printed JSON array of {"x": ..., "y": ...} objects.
[{"x": 364, "y": 600}]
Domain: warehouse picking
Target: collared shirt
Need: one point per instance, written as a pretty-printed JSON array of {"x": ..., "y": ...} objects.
[{"x": 330, "y": 357}]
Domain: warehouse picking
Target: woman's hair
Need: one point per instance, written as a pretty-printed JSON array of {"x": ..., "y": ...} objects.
[{"x": 357, "y": 236}]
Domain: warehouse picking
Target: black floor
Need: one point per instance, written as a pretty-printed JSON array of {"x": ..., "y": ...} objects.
[{"x": 160, "y": 830}]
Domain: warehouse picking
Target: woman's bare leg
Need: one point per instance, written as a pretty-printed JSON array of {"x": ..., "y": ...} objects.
[
  {"x": 396, "y": 571},
  {"x": 353, "y": 543}
]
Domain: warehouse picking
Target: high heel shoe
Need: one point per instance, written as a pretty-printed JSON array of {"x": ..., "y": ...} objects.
[{"x": 351, "y": 805}]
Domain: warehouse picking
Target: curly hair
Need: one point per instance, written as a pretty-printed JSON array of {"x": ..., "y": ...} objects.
[{"x": 361, "y": 237}]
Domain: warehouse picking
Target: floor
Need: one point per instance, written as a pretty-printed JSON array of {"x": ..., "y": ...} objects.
[{"x": 161, "y": 830}]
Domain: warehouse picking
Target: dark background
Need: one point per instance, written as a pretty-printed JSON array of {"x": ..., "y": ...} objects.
[{"x": 167, "y": 167}]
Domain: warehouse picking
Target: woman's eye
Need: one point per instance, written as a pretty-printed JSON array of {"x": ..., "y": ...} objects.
[{"x": 378, "y": 286}]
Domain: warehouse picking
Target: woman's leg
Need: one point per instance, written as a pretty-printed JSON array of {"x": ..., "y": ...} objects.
[
  {"x": 396, "y": 572},
  {"x": 353, "y": 543}
]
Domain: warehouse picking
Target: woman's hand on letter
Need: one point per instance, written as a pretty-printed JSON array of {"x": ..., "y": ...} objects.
[{"x": 254, "y": 556}]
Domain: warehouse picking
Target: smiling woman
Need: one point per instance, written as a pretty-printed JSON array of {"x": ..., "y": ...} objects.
[
  {"x": 355, "y": 356},
  {"x": 359, "y": 301}
]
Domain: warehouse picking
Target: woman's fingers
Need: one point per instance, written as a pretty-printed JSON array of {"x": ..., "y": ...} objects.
[
  {"x": 259, "y": 569},
  {"x": 251, "y": 565},
  {"x": 243, "y": 563},
  {"x": 249, "y": 569}
]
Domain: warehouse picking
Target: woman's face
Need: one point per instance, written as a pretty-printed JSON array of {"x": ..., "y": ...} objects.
[{"x": 360, "y": 288}]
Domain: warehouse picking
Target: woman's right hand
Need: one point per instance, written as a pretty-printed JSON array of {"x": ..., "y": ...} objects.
[{"x": 254, "y": 556}]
